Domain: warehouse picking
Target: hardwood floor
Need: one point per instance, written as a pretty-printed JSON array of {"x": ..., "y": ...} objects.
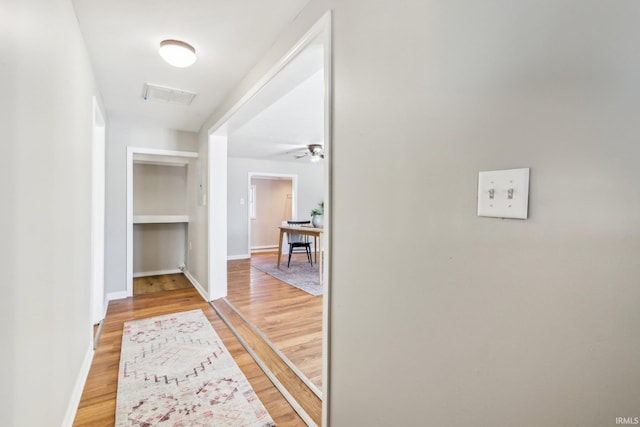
[
  {"x": 290, "y": 318},
  {"x": 97, "y": 405},
  {"x": 289, "y": 379},
  {"x": 159, "y": 283}
]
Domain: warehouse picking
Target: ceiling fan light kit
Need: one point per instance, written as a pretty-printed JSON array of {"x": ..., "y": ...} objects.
[
  {"x": 315, "y": 151},
  {"x": 177, "y": 53}
]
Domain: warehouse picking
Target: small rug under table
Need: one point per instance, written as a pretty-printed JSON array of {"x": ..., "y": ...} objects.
[
  {"x": 300, "y": 274},
  {"x": 175, "y": 371}
]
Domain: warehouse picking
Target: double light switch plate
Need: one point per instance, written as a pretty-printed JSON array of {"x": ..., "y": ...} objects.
[{"x": 504, "y": 193}]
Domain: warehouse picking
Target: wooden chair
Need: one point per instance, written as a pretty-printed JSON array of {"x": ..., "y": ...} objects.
[{"x": 297, "y": 240}]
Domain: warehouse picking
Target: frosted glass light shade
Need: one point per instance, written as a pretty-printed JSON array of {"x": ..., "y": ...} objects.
[{"x": 177, "y": 53}]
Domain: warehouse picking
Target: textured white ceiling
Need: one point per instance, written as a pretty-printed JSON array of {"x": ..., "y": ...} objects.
[{"x": 123, "y": 37}]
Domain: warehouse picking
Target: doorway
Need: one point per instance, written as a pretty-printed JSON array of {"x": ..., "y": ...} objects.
[
  {"x": 272, "y": 200},
  {"x": 222, "y": 168}
]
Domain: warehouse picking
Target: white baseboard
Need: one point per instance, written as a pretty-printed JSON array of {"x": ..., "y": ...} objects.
[
  {"x": 197, "y": 285},
  {"x": 156, "y": 273},
  {"x": 264, "y": 249},
  {"x": 235, "y": 257},
  {"x": 76, "y": 394},
  {"x": 117, "y": 295},
  {"x": 285, "y": 249}
]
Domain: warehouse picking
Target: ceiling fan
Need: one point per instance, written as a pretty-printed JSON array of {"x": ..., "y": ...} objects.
[{"x": 316, "y": 151}]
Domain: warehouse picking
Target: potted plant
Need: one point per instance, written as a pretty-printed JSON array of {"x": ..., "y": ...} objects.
[{"x": 317, "y": 215}]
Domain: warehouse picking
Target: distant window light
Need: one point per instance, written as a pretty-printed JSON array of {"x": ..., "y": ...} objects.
[{"x": 252, "y": 202}]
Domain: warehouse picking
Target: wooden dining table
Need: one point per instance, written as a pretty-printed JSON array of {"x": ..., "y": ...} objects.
[{"x": 315, "y": 232}]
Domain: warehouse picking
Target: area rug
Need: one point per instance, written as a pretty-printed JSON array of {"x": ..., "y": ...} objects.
[
  {"x": 300, "y": 274},
  {"x": 175, "y": 371}
]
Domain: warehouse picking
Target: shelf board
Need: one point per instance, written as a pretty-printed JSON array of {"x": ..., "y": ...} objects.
[
  {"x": 164, "y": 160},
  {"x": 159, "y": 219}
]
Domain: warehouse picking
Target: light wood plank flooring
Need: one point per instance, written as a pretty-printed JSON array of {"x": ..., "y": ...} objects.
[
  {"x": 160, "y": 283},
  {"x": 97, "y": 405},
  {"x": 290, "y": 318},
  {"x": 303, "y": 395}
]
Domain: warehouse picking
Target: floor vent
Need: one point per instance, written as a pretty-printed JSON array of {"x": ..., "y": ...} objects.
[{"x": 167, "y": 94}]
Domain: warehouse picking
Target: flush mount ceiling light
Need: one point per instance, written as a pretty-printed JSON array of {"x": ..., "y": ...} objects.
[{"x": 177, "y": 53}]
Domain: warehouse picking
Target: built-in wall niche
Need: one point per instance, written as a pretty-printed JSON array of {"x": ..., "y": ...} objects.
[
  {"x": 159, "y": 248},
  {"x": 160, "y": 214},
  {"x": 159, "y": 189}
]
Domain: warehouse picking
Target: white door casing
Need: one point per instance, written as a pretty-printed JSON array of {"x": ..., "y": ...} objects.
[{"x": 97, "y": 214}]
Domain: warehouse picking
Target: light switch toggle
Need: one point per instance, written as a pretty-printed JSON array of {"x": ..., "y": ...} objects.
[
  {"x": 492, "y": 193},
  {"x": 510, "y": 193}
]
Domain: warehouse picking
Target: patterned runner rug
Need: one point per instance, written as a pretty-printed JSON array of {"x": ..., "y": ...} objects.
[{"x": 175, "y": 371}]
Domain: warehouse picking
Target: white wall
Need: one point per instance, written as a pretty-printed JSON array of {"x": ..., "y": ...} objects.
[
  {"x": 122, "y": 134},
  {"x": 159, "y": 190},
  {"x": 158, "y": 247},
  {"x": 45, "y": 155},
  {"x": 198, "y": 217},
  {"x": 480, "y": 321},
  {"x": 310, "y": 191}
]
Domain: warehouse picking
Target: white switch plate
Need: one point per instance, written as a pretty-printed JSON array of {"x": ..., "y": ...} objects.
[{"x": 501, "y": 202}]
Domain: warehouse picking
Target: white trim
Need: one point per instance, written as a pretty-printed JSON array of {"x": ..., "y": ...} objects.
[
  {"x": 129, "y": 276},
  {"x": 277, "y": 351},
  {"x": 162, "y": 152},
  {"x": 152, "y": 159},
  {"x": 276, "y": 382},
  {"x": 252, "y": 202},
  {"x": 97, "y": 334},
  {"x": 294, "y": 196},
  {"x": 76, "y": 394},
  {"x": 156, "y": 272},
  {"x": 217, "y": 219},
  {"x": 197, "y": 285},
  {"x": 131, "y": 152},
  {"x": 117, "y": 295},
  {"x": 322, "y": 26},
  {"x": 236, "y": 257},
  {"x": 263, "y": 248},
  {"x": 98, "y": 197},
  {"x": 159, "y": 219}
]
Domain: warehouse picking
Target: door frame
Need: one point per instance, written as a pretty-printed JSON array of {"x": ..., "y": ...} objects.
[
  {"x": 217, "y": 191},
  {"x": 131, "y": 152},
  {"x": 98, "y": 194}
]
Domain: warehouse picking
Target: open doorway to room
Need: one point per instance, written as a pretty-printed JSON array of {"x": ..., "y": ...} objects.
[
  {"x": 282, "y": 128},
  {"x": 271, "y": 202}
]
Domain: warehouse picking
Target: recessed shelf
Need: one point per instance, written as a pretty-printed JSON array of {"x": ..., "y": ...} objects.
[
  {"x": 150, "y": 159},
  {"x": 159, "y": 219}
]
